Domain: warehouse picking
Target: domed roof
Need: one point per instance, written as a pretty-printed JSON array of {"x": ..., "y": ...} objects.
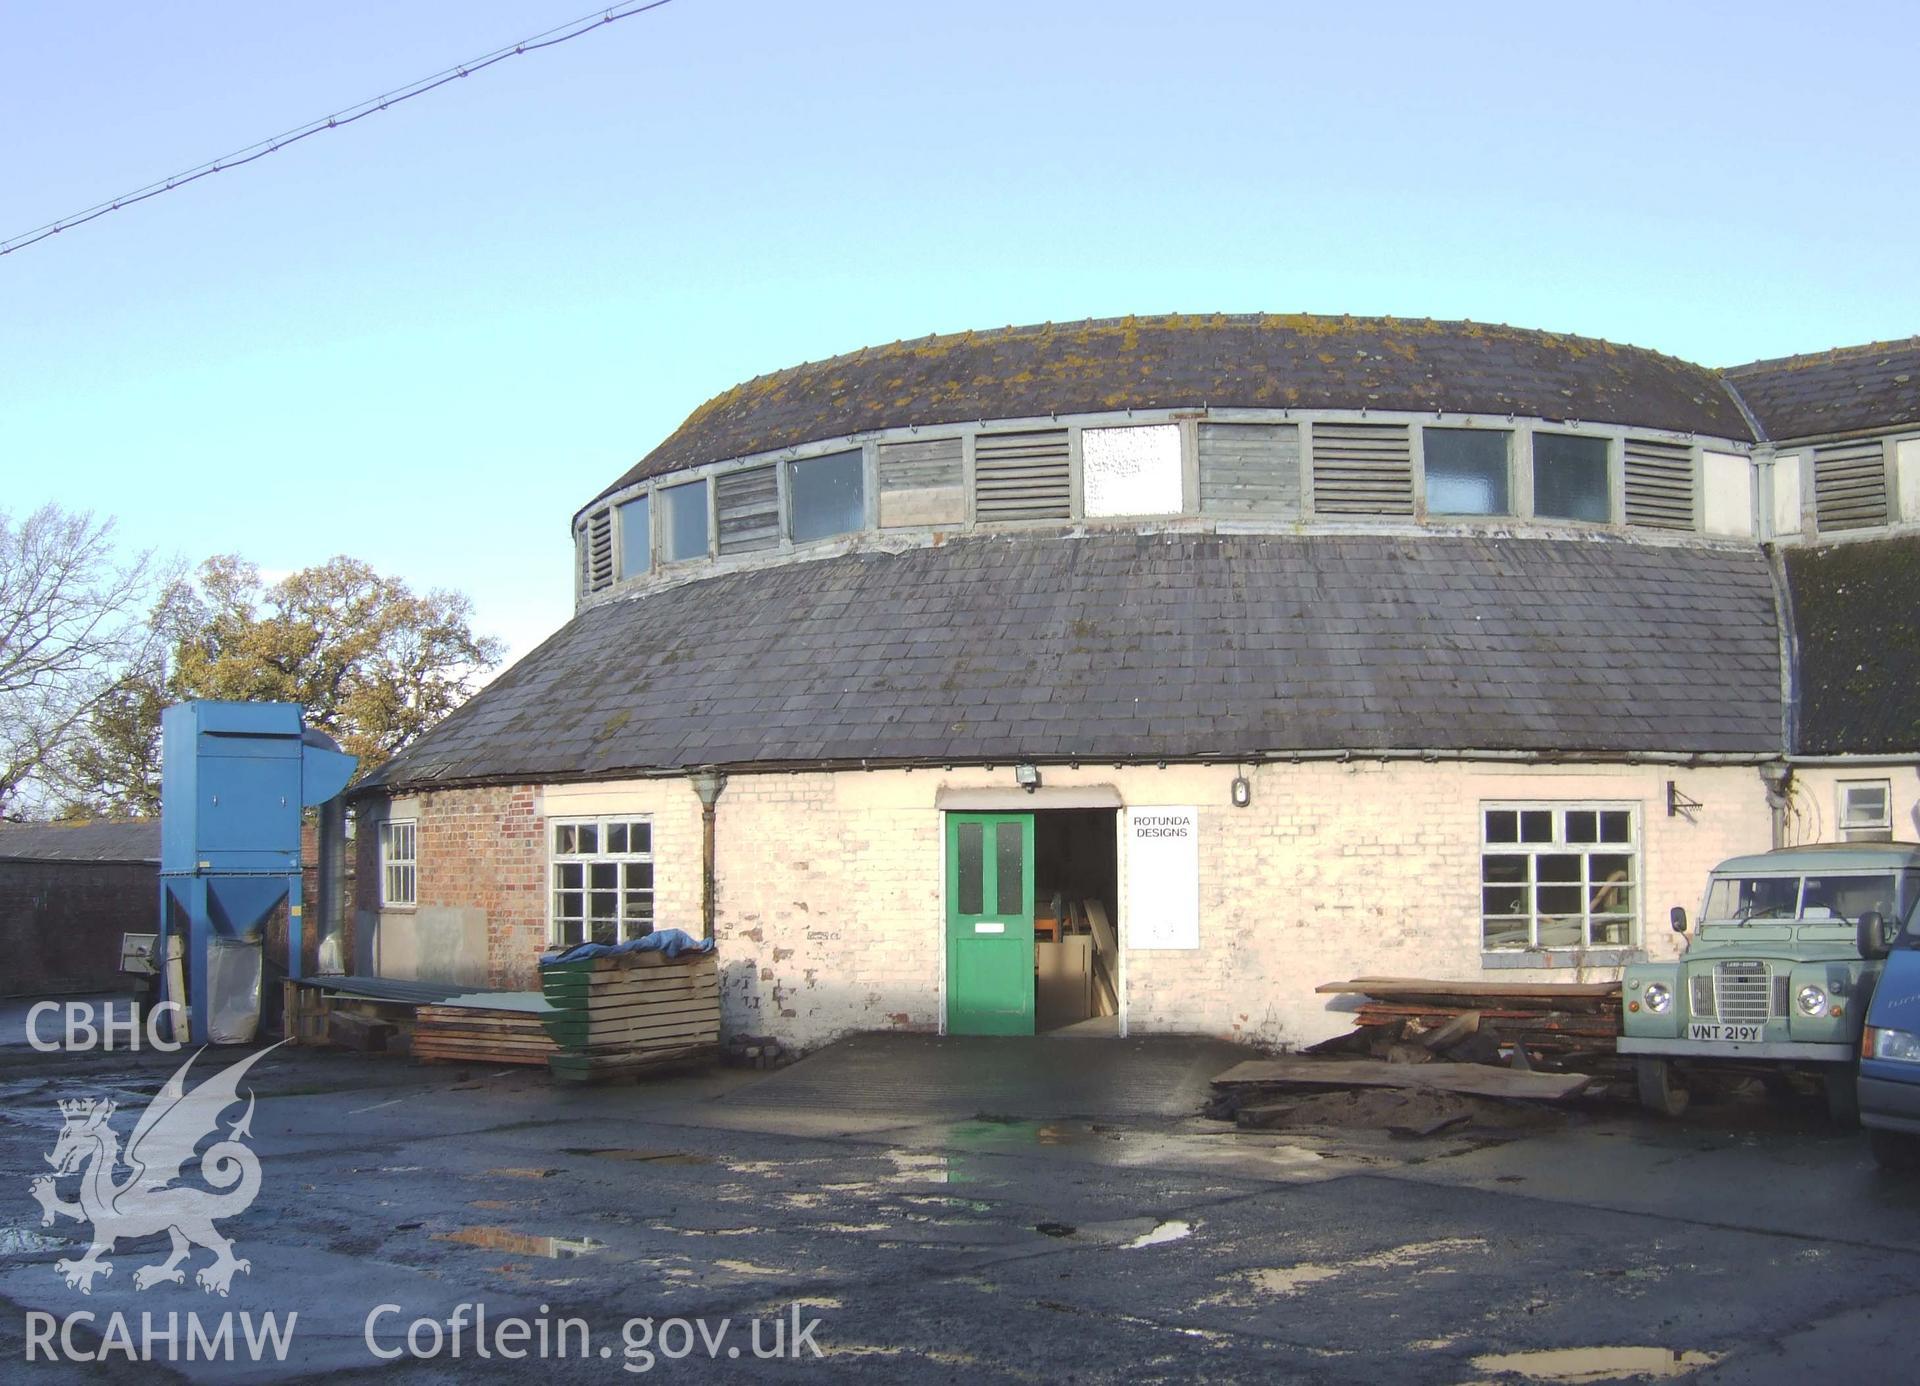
[
  {"x": 1294, "y": 361},
  {"x": 1847, "y": 389}
]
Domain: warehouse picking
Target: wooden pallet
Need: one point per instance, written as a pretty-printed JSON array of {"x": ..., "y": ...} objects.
[
  {"x": 474, "y": 1034},
  {"x": 617, "y": 1015},
  {"x": 309, "y": 1013},
  {"x": 602, "y": 1068}
]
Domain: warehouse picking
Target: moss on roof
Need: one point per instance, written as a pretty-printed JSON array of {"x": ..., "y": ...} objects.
[
  {"x": 1295, "y": 360},
  {"x": 1856, "y": 616},
  {"x": 1845, "y": 390}
]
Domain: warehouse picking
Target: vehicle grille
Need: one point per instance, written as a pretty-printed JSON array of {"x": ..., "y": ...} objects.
[
  {"x": 1743, "y": 990},
  {"x": 1701, "y": 986}
]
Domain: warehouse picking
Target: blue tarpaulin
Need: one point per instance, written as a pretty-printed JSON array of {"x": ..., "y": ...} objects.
[{"x": 672, "y": 942}]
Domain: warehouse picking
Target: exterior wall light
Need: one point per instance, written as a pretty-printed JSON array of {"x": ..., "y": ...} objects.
[
  {"x": 1027, "y": 776},
  {"x": 1242, "y": 791}
]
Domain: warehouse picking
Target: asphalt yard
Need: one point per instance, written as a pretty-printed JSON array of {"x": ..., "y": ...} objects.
[{"x": 911, "y": 1208}]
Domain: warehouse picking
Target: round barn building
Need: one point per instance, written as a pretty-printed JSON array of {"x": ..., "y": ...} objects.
[{"x": 1143, "y": 674}]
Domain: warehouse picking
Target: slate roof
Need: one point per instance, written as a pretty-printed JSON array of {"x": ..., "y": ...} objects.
[
  {"x": 1142, "y": 646},
  {"x": 1856, "y": 615},
  {"x": 1846, "y": 390},
  {"x": 1252, "y": 360},
  {"x": 134, "y": 840}
]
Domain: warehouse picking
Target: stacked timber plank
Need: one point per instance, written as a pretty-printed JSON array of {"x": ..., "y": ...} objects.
[
  {"x": 496, "y": 1029},
  {"x": 1405, "y": 1099},
  {"x": 622, "y": 1014},
  {"x": 1557, "y": 1021}
]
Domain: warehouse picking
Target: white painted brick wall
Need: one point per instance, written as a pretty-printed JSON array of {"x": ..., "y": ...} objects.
[
  {"x": 830, "y": 902},
  {"x": 831, "y": 896}
]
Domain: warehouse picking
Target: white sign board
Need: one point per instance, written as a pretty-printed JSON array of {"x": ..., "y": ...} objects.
[{"x": 1163, "y": 877}]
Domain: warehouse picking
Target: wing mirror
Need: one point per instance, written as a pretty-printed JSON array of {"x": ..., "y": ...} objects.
[
  {"x": 1870, "y": 935},
  {"x": 1678, "y": 919}
]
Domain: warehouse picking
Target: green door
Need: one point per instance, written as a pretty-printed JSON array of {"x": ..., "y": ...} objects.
[{"x": 990, "y": 923}]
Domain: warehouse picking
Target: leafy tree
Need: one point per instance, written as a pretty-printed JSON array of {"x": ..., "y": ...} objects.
[
  {"x": 70, "y": 626},
  {"x": 114, "y": 769},
  {"x": 373, "y": 663}
]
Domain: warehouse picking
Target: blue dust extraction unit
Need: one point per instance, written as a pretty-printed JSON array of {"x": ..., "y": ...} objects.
[{"x": 234, "y": 780}]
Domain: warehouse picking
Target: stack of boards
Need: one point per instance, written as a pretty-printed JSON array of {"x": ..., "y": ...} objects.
[
  {"x": 619, "y": 1015},
  {"x": 503, "y": 1028}
]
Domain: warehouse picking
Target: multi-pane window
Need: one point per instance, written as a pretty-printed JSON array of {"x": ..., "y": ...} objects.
[
  {"x": 1558, "y": 876},
  {"x": 1571, "y": 478},
  {"x": 1466, "y": 471},
  {"x": 683, "y": 512},
  {"x": 601, "y": 871},
  {"x": 827, "y": 495},
  {"x": 398, "y": 864},
  {"x": 636, "y": 536}
]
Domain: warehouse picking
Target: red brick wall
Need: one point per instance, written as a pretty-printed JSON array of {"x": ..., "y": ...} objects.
[
  {"x": 478, "y": 849},
  {"x": 60, "y": 923}
]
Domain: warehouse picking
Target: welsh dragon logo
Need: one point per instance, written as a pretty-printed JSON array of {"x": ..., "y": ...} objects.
[{"x": 149, "y": 1200}]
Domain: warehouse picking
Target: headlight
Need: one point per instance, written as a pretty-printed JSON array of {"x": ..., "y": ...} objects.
[
  {"x": 1897, "y": 1045},
  {"x": 1813, "y": 1001},
  {"x": 1659, "y": 999}
]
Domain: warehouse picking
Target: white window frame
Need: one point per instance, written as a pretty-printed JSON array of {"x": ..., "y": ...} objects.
[
  {"x": 399, "y": 863},
  {"x": 1558, "y": 844},
  {"x": 1843, "y": 794},
  {"x": 564, "y": 928}
]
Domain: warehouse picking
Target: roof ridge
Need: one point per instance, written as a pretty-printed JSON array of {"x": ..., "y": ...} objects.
[{"x": 1829, "y": 354}]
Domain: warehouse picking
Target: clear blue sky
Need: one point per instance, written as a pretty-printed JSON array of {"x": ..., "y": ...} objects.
[{"x": 427, "y": 339}]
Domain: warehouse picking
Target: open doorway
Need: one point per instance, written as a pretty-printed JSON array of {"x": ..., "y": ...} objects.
[{"x": 1076, "y": 984}]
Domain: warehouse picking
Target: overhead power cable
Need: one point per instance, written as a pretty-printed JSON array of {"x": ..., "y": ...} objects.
[{"x": 563, "y": 33}]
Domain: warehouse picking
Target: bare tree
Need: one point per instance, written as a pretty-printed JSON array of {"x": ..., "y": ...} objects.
[{"x": 72, "y": 622}]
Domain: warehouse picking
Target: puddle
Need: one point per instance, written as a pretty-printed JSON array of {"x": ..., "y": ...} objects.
[
  {"x": 20, "y": 1241},
  {"x": 915, "y": 1166},
  {"x": 520, "y": 1243},
  {"x": 852, "y": 1227},
  {"x": 1168, "y": 1230},
  {"x": 1290, "y": 1280},
  {"x": 644, "y": 1157},
  {"x": 971, "y": 1205},
  {"x": 1597, "y": 1363},
  {"x": 747, "y": 1268},
  {"x": 993, "y": 1128},
  {"x": 524, "y": 1173}
]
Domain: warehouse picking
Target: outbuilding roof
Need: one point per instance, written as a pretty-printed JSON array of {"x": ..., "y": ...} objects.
[
  {"x": 1276, "y": 361},
  {"x": 1141, "y": 646},
  {"x": 129, "y": 840},
  {"x": 1846, "y": 390}
]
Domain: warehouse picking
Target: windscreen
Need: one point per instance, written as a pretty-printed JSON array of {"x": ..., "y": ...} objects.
[
  {"x": 1910, "y": 931},
  {"x": 1836, "y": 898}
]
